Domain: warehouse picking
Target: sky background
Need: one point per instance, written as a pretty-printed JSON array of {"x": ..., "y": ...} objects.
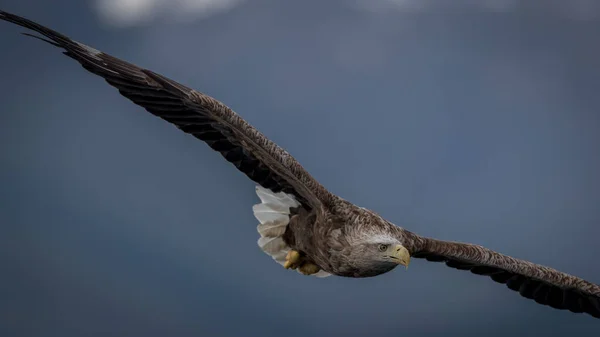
[{"x": 468, "y": 120}]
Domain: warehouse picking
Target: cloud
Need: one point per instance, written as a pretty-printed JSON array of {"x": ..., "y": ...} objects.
[{"x": 122, "y": 13}]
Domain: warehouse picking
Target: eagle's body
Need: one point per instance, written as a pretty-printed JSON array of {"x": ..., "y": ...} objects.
[
  {"x": 303, "y": 226},
  {"x": 325, "y": 238}
]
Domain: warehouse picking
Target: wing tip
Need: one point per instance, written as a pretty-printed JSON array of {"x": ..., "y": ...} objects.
[{"x": 54, "y": 38}]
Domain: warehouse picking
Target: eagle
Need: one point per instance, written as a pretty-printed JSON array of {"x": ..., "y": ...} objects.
[{"x": 302, "y": 225}]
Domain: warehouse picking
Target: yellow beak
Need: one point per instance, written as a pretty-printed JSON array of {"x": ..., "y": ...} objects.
[{"x": 401, "y": 255}]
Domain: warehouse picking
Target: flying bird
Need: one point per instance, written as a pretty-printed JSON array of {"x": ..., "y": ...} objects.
[{"x": 302, "y": 225}]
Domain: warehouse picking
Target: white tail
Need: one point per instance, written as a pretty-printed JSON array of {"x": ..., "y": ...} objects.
[{"x": 273, "y": 215}]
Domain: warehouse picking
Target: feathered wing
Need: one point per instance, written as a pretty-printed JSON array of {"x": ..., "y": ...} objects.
[
  {"x": 197, "y": 114},
  {"x": 545, "y": 285}
]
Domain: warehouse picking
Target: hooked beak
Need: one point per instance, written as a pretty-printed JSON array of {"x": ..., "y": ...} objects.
[{"x": 400, "y": 255}]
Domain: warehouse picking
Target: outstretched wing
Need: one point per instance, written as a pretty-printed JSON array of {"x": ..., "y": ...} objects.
[
  {"x": 545, "y": 285},
  {"x": 197, "y": 114}
]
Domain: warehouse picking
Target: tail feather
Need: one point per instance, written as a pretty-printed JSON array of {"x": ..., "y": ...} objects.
[
  {"x": 281, "y": 199},
  {"x": 271, "y": 229},
  {"x": 275, "y": 247},
  {"x": 273, "y": 214}
]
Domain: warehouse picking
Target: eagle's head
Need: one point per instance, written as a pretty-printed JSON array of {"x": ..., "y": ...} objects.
[
  {"x": 372, "y": 250},
  {"x": 377, "y": 256}
]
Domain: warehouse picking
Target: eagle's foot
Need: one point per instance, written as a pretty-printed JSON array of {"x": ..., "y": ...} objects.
[
  {"x": 292, "y": 260},
  {"x": 309, "y": 268}
]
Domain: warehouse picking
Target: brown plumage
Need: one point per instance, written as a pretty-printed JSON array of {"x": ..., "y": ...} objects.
[{"x": 337, "y": 236}]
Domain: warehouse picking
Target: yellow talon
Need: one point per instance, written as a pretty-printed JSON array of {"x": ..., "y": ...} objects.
[
  {"x": 291, "y": 260},
  {"x": 309, "y": 269}
]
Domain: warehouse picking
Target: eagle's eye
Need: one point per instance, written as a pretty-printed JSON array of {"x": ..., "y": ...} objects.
[{"x": 383, "y": 248}]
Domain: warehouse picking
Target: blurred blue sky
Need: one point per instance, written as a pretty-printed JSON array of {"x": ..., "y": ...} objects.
[{"x": 463, "y": 121}]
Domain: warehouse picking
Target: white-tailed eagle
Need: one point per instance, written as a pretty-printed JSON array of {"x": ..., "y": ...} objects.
[{"x": 303, "y": 226}]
